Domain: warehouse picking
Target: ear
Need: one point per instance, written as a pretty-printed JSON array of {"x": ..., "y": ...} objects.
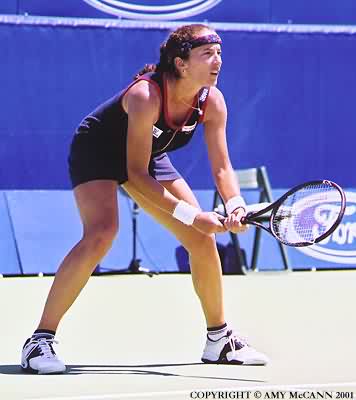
[{"x": 179, "y": 64}]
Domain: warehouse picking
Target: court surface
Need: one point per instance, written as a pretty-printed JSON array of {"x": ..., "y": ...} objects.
[{"x": 134, "y": 337}]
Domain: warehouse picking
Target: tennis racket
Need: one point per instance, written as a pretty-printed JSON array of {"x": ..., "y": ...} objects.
[{"x": 303, "y": 216}]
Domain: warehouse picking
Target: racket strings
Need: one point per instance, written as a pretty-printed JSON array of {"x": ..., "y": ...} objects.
[{"x": 307, "y": 214}]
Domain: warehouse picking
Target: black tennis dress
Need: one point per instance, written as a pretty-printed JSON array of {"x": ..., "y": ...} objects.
[{"x": 98, "y": 149}]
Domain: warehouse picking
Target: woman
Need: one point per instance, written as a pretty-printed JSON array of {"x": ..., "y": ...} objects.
[{"x": 124, "y": 141}]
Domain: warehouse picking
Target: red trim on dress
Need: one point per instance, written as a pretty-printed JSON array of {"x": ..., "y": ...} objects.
[{"x": 143, "y": 78}]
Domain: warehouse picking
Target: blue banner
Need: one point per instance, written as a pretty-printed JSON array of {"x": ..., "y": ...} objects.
[
  {"x": 39, "y": 227},
  {"x": 266, "y": 11},
  {"x": 9, "y": 7},
  {"x": 337, "y": 250},
  {"x": 290, "y": 95}
]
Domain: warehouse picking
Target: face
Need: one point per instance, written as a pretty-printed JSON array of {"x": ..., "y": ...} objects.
[{"x": 204, "y": 64}]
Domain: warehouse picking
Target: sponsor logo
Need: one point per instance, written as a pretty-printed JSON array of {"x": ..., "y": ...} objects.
[
  {"x": 189, "y": 128},
  {"x": 340, "y": 246},
  {"x": 156, "y": 132},
  {"x": 202, "y": 97},
  {"x": 172, "y": 11}
]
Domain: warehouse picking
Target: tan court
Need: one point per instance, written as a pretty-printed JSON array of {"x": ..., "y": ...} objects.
[{"x": 133, "y": 337}]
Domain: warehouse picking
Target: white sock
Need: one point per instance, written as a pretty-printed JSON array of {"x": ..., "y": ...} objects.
[
  {"x": 43, "y": 333},
  {"x": 216, "y": 333}
]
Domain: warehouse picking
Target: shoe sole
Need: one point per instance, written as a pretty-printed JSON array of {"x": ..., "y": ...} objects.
[
  {"x": 206, "y": 361},
  {"x": 32, "y": 371},
  {"x": 232, "y": 362}
]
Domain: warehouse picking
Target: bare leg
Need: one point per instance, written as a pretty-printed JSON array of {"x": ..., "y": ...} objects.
[
  {"x": 204, "y": 257},
  {"x": 97, "y": 203}
]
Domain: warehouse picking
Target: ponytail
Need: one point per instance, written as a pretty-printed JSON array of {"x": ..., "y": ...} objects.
[
  {"x": 164, "y": 64},
  {"x": 166, "y": 60},
  {"x": 147, "y": 68}
]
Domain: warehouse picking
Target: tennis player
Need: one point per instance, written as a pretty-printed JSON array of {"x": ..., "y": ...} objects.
[{"x": 125, "y": 141}]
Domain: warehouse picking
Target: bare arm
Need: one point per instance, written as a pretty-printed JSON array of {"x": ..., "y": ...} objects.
[
  {"x": 215, "y": 137},
  {"x": 223, "y": 173},
  {"x": 143, "y": 105}
]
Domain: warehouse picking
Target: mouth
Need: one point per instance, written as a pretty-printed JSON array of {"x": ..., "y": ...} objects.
[{"x": 215, "y": 73}]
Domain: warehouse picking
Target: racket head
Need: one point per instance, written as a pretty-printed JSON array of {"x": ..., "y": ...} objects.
[{"x": 308, "y": 213}]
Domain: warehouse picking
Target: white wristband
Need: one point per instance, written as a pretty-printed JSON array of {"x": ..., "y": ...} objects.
[
  {"x": 185, "y": 213},
  {"x": 233, "y": 203}
]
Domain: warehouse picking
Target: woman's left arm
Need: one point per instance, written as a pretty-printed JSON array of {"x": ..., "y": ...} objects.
[{"x": 224, "y": 176}]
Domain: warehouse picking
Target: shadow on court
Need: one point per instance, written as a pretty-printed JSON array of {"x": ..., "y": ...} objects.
[
  {"x": 126, "y": 370},
  {"x": 294, "y": 318}
]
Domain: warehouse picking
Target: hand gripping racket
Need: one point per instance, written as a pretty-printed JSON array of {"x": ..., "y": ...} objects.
[{"x": 305, "y": 215}]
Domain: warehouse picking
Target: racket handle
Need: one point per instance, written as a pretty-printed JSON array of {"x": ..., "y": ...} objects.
[
  {"x": 221, "y": 218},
  {"x": 246, "y": 219}
]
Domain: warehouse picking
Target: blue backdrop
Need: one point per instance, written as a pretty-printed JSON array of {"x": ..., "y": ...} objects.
[
  {"x": 290, "y": 95},
  {"x": 39, "y": 227},
  {"x": 266, "y": 11},
  {"x": 290, "y": 92}
]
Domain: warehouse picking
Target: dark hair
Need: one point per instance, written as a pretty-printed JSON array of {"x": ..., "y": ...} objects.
[{"x": 174, "y": 47}]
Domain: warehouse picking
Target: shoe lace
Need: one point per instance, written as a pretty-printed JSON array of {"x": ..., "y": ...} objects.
[
  {"x": 236, "y": 341},
  {"x": 46, "y": 348}
]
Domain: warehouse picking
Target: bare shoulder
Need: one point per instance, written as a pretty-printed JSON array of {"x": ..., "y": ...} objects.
[
  {"x": 216, "y": 105},
  {"x": 143, "y": 96}
]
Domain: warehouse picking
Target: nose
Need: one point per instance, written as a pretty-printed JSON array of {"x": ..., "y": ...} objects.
[{"x": 217, "y": 59}]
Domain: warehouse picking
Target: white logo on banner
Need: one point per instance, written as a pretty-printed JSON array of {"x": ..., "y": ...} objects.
[
  {"x": 174, "y": 11},
  {"x": 340, "y": 246}
]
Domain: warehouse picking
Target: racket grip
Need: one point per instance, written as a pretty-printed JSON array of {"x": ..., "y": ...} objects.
[
  {"x": 221, "y": 218},
  {"x": 245, "y": 220}
]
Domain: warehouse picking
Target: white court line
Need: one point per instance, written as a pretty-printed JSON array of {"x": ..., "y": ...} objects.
[{"x": 142, "y": 395}]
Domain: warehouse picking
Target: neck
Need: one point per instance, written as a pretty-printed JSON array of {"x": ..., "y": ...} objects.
[{"x": 180, "y": 90}]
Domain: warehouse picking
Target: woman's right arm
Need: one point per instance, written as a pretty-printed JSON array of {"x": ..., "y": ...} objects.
[{"x": 142, "y": 103}]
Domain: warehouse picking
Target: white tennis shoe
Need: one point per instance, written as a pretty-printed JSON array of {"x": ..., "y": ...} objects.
[
  {"x": 38, "y": 357},
  {"x": 232, "y": 349}
]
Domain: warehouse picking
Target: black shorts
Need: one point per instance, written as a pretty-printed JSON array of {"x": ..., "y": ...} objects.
[{"x": 93, "y": 157}]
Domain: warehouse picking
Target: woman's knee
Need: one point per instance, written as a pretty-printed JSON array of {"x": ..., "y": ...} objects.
[
  {"x": 101, "y": 236},
  {"x": 201, "y": 244}
]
